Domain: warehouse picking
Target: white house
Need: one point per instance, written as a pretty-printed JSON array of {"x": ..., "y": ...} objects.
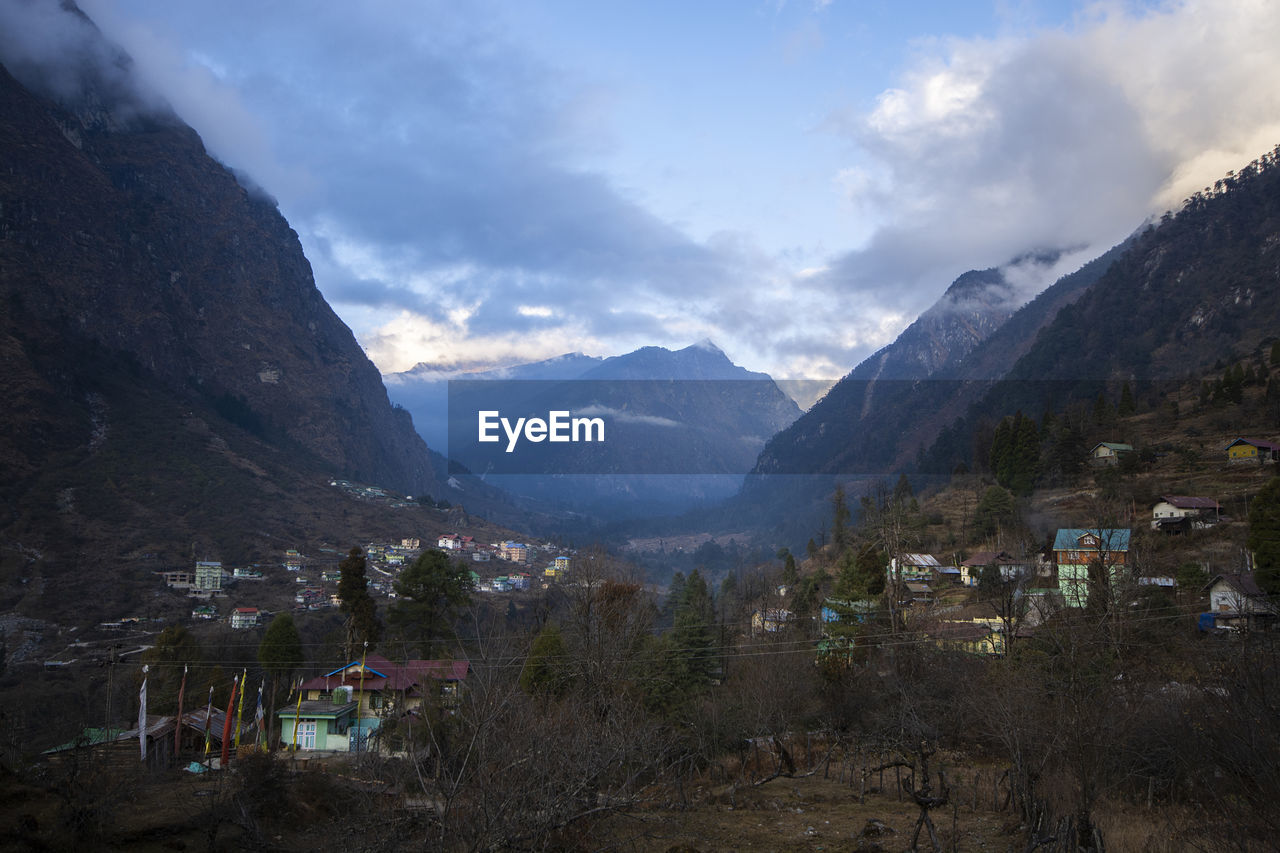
[
  {"x": 1109, "y": 452},
  {"x": 1236, "y": 600},
  {"x": 244, "y": 617},
  {"x": 1170, "y": 510}
]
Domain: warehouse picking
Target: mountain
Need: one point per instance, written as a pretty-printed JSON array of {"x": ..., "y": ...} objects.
[
  {"x": 423, "y": 390},
  {"x": 171, "y": 374},
  {"x": 874, "y": 419},
  {"x": 677, "y": 428},
  {"x": 1200, "y": 288}
]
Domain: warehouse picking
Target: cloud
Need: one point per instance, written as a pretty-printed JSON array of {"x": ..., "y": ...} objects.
[
  {"x": 435, "y": 168},
  {"x": 987, "y": 149}
]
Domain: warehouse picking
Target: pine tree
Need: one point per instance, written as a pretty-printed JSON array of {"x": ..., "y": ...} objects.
[
  {"x": 790, "y": 574},
  {"x": 429, "y": 595},
  {"x": 546, "y": 668},
  {"x": 840, "y": 517},
  {"x": 357, "y": 605},
  {"x": 1264, "y": 536},
  {"x": 1126, "y": 407}
]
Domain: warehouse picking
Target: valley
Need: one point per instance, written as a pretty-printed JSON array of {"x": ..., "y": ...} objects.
[{"x": 1013, "y": 582}]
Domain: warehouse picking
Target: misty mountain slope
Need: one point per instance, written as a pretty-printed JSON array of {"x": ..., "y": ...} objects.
[
  {"x": 1203, "y": 286},
  {"x": 877, "y": 418},
  {"x": 172, "y": 380},
  {"x": 680, "y": 428},
  {"x": 116, "y": 221},
  {"x": 424, "y": 389}
]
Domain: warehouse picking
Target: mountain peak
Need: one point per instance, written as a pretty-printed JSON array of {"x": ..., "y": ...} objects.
[{"x": 708, "y": 345}]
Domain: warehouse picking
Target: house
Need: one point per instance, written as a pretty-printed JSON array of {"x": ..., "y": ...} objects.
[
  {"x": 979, "y": 637},
  {"x": 244, "y": 617},
  {"x": 117, "y": 748},
  {"x": 913, "y": 568},
  {"x": 1181, "y": 512},
  {"x": 380, "y": 687},
  {"x": 1108, "y": 452},
  {"x": 770, "y": 620},
  {"x": 918, "y": 593},
  {"x": 837, "y": 610},
  {"x": 179, "y": 579},
  {"x": 515, "y": 552},
  {"x": 561, "y": 564},
  {"x": 948, "y": 574},
  {"x": 1236, "y": 601},
  {"x": 1010, "y": 567},
  {"x": 480, "y": 556},
  {"x": 1252, "y": 450},
  {"x": 1075, "y": 550},
  {"x": 450, "y": 542},
  {"x": 411, "y": 543},
  {"x": 208, "y": 578},
  {"x": 292, "y": 560},
  {"x": 246, "y": 574},
  {"x": 319, "y": 724}
]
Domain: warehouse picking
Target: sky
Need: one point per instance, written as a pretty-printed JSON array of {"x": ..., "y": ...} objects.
[{"x": 492, "y": 182}]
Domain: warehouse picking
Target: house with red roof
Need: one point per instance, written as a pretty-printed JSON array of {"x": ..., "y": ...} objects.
[{"x": 347, "y": 705}]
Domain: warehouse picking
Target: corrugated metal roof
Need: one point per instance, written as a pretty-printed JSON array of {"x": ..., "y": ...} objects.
[
  {"x": 1110, "y": 538},
  {"x": 1188, "y": 502}
]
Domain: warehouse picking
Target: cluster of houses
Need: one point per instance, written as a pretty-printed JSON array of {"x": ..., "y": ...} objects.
[
  {"x": 1253, "y": 450},
  {"x": 1038, "y": 585}
]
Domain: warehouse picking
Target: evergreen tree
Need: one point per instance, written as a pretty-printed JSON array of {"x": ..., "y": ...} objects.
[
  {"x": 429, "y": 595},
  {"x": 690, "y": 647},
  {"x": 280, "y": 651},
  {"x": 280, "y": 654},
  {"x": 175, "y": 649},
  {"x": 1264, "y": 536},
  {"x": 839, "y": 518},
  {"x": 357, "y": 605},
  {"x": 994, "y": 509},
  {"x": 1126, "y": 407},
  {"x": 1102, "y": 412},
  {"x": 790, "y": 574},
  {"x": 902, "y": 492},
  {"x": 546, "y": 669}
]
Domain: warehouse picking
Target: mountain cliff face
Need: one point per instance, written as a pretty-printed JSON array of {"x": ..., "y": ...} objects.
[
  {"x": 172, "y": 383},
  {"x": 876, "y": 418},
  {"x": 117, "y": 228}
]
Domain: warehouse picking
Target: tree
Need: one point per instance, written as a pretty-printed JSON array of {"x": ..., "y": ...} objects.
[
  {"x": 280, "y": 654},
  {"x": 995, "y": 508},
  {"x": 546, "y": 668},
  {"x": 790, "y": 574},
  {"x": 1264, "y": 536},
  {"x": 691, "y": 659},
  {"x": 1126, "y": 406},
  {"x": 839, "y": 518},
  {"x": 356, "y": 604},
  {"x": 429, "y": 595},
  {"x": 280, "y": 651},
  {"x": 174, "y": 650}
]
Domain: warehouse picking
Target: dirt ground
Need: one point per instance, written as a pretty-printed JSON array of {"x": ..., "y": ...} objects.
[{"x": 808, "y": 813}]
